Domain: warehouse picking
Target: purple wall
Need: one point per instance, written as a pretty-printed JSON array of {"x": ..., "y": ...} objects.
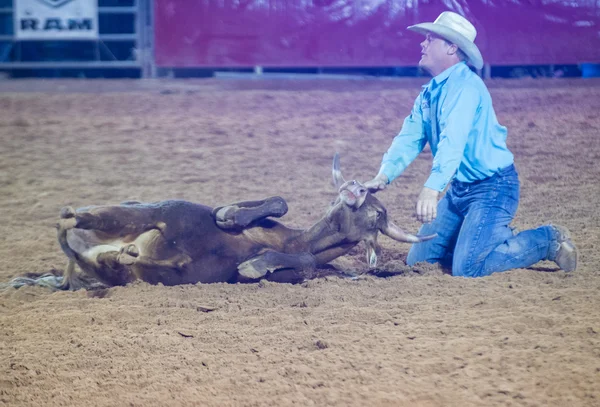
[{"x": 345, "y": 33}]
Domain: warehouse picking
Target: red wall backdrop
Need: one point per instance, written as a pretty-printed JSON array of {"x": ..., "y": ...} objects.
[{"x": 351, "y": 33}]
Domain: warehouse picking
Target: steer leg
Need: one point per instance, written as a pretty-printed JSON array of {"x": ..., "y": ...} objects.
[
  {"x": 241, "y": 214},
  {"x": 297, "y": 266},
  {"x": 101, "y": 262},
  {"x": 129, "y": 255},
  {"x": 67, "y": 221},
  {"x": 114, "y": 267},
  {"x": 71, "y": 280},
  {"x": 120, "y": 220}
]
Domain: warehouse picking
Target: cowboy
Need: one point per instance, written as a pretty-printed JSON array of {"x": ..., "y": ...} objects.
[{"x": 454, "y": 114}]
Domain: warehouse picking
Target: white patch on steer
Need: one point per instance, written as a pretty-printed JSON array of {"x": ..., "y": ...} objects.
[
  {"x": 81, "y": 240},
  {"x": 93, "y": 252},
  {"x": 146, "y": 241},
  {"x": 89, "y": 244}
]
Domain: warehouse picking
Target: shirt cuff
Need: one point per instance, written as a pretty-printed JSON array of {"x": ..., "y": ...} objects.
[
  {"x": 437, "y": 181},
  {"x": 390, "y": 171}
]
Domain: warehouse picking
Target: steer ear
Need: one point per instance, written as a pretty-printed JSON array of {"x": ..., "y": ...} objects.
[
  {"x": 394, "y": 232},
  {"x": 338, "y": 179}
]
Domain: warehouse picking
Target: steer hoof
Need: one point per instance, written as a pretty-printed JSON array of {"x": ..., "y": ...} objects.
[
  {"x": 253, "y": 268},
  {"x": 73, "y": 283},
  {"x": 67, "y": 212},
  {"x": 132, "y": 250},
  {"x": 66, "y": 224},
  {"x": 128, "y": 255},
  {"x": 67, "y": 218},
  {"x": 224, "y": 217}
]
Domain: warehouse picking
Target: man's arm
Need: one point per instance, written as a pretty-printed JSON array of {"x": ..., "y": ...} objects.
[
  {"x": 405, "y": 147},
  {"x": 455, "y": 121}
]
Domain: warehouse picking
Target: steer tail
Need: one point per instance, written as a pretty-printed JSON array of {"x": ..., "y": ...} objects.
[
  {"x": 67, "y": 221},
  {"x": 68, "y": 275}
]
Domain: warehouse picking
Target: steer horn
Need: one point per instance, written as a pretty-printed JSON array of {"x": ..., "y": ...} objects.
[
  {"x": 338, "y": 179},
  {"x": 393, "y": 231}
]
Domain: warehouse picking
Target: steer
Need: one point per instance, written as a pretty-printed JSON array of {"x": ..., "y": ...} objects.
[{"x": 179, "y": 242}]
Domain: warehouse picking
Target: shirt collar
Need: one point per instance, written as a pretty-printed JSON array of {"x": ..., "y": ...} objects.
[{"x": 440, "y": 78}]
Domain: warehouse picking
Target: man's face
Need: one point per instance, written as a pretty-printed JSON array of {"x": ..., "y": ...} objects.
[{"x": 436, "y": 54}]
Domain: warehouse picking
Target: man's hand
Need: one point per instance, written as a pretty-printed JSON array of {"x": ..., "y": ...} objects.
[
  {"x": 427, "y": 205},
  {"x": 377, "y": 184}
]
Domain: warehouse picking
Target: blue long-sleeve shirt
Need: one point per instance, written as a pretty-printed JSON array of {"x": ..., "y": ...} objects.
[{"x": 465, "y": 137}]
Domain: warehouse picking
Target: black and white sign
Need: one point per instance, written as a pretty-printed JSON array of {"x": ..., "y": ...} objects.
[{"x": 56, "y": 19}]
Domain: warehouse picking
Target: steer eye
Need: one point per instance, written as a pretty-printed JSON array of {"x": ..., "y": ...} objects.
[{"x": 353, "y": 182}]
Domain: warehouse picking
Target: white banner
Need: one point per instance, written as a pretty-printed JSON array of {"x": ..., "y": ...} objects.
[{"x": 56, "y": 19}]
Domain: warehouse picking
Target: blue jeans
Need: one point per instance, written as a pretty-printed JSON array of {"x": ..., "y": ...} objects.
[{"x": 474, "y": 236}]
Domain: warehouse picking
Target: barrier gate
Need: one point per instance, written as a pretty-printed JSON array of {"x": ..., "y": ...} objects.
[
  {"x": 76, "y": 34},
  {"x": 146, "y": 35}
]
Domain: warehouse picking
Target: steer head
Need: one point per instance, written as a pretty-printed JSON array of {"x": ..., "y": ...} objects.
[{"x": 360, "y": 216}]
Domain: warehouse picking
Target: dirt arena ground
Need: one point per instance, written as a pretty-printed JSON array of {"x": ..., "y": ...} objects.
[{"x": 416, "y": 338}]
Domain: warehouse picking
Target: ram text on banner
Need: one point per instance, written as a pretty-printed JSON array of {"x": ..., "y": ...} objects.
[{"x": 56, "y": 19}]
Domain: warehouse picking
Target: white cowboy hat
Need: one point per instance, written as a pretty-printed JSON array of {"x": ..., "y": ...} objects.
[{"x": 456, "y": 29}]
